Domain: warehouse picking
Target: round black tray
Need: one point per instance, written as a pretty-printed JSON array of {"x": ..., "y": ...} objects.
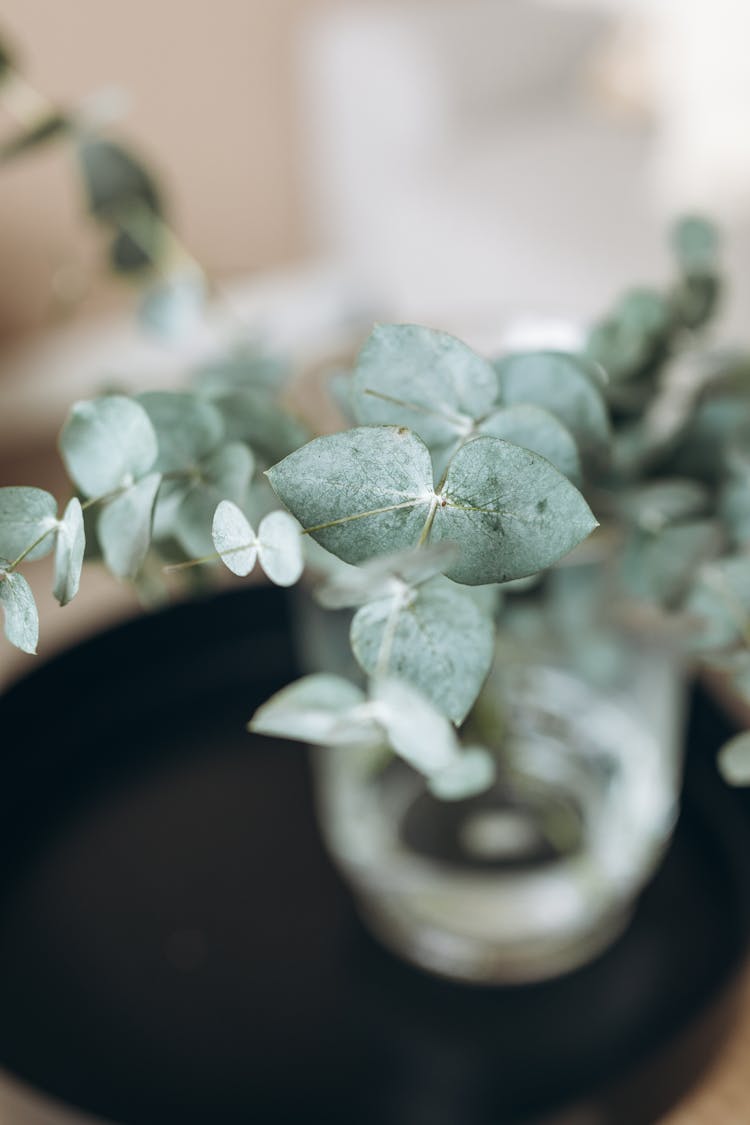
[{"x": 176, "y": 948}]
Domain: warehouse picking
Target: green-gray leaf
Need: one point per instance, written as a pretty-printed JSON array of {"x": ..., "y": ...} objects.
[
  {"x": 115, "y": 180},
  {"x": 348, "y": 586},
  {"x": 695, "y": 241},
  {"x": 225, "y": 475},
  {"x": 511, "y": 510},
  {"x": 124, "y": 527},
  {"x": 658, "y": 566},
  {"x": 234, "y": 538},
  {"x": 255, "y": 415},
  {"x": 655, "y": 504},
  {"x": 108, "y": 443},
  {"x": 472, "y": 773},
  {"x": 536, "y": 429},
  {"x": 361, "y": 493},
  {"x": 21, "y": 617},
  {"x": 734, "y": 760},
  {"x": 25, "y": 515},
  {"x": 427, "y": 380},
  {"x": 187, "y": 428},
  {"x": 566, "y": 386},
  {"x": 417, "y": 731},
  {"x": 436, "y": 638},
  {"x": 70, "y": 544},
  {"x": 280, "y": 548},
  {"x": 321, "y": 709},
  {"x": 173, "y": 307}
]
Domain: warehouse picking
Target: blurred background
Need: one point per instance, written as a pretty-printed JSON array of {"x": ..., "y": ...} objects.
[{"x": 497, "y": 168}]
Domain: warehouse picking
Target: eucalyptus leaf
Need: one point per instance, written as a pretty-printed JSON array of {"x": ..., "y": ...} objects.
[
  {"x": 417, "y": 731},
  {"x": 256, "y": 416},
  {"x": 234, "y": 538},
  {"x": 734, "y": 504},
  {"x": 351, "y": 586},
  {"x": 138, "y": 244},
  {"x": 224, "y": 475},
  {"x": 653, "y": 505},
  {"x": 280, "y": 548},
  {"x": 19, "y": 607},
  {"x": 70, "y": 545},
  {"x": 696, "y": 244},
  {"x": 26, "y": 514},
  {"x": 322, "y": 709},
  {"x": 568, "y": 386},
  {"x": 538, "y": 430},
  {"x": 361, "y": 493},
  {"x": 427, "y": 380},
  {"x": 511, "y": 510},
  {"x": 173, "y": 307},
  {"x": 435, "y": 638},
  {"x": 107, "y": 443},
  {"x": 734, "y": 759},
  {"x": 187, "y": 428},
  {"x": 472, "y": 773},
  {"x": 244, "y": 368},
  {"x": 124, "y": 526}
]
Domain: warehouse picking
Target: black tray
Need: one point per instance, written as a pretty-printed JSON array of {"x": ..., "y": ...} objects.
[{"x": 176, "y": 948}]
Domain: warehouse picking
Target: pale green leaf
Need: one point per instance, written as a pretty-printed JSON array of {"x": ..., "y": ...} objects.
[
  {"x": 115, "y": 180},
  {"x": 234, "y": 538},
  {"x": 21, "y": 617},
  {"x": 351, "y": 586},
  {"x": 417, "y": 731},
  {"x": 224, "y": 475},
  {"x": 565, "y": 385},
  {"x": 435, "y": 638},
  {"x": 472, "y": 773},
  {"x": 361, "y": 493},
  {"x": 245, "y": 367},
  {"x": 511, "y": 510},
  {"x": 321, "y": 709},
  {"x": 256, "y": 416},
  {"x": 734, "y": 760},
  {"x": 280, "y": 548},
  {"x": 696, "y": 244},
  {"x": 124, "y": 527},
  {"x": 108, "y": 443},
  {"x": 187, "y": 428},
  {"x": 70, "y": 544},
  {"x": 427, "y": 380},
  {"x": 536, "y": 429},
  {"x": 173, "y": 307},
  {"x": 25, "y": 515}
]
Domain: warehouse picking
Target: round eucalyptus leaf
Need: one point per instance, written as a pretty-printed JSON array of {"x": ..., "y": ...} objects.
[
  {"x": 427, "y": 380},
  {"x": 659, "y": 566},
  {"x": 510, "y": 509},
  {"x": 256, "y": 416},
  {"x": 696, "y": 243},
  {"x": 19, "y": 607},
  {"x": 70, "y": 545},
  {"x": 245, "y": 367},
  {"x": 229, "y": 470},
  {"x": 350, "y": 586},
  {"x": 124, "y": 526},
  {"x": 535, "y": 428},
  {"x": 734, "y": 760},
  {"x": 280, "y": 548},
  {"x": 25, "y": 514},
  {"x": 417, "y": 731},
  {"x": 360, "y": 493},
  {"x": 565, "y": 385},
  {"x": 234, "y": 538},
  {"x": 472, "y": 773},
  {"x": 435, "y": 638},
  {"x": 107, "y": 443},
  {"x": 173, "y": 307},
  {"x": 187, "y": 428},
  {"x": 321, "y": 709}
]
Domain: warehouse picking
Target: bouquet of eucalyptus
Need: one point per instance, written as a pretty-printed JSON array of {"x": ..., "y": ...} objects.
[{"x": 459, "y": 478}]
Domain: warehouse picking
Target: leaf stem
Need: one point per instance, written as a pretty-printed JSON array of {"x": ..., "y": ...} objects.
[{"x": 30, "y": 548}]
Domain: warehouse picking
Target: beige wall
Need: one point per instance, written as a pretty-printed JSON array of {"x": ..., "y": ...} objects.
[{"x": 212, "y": 83}]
